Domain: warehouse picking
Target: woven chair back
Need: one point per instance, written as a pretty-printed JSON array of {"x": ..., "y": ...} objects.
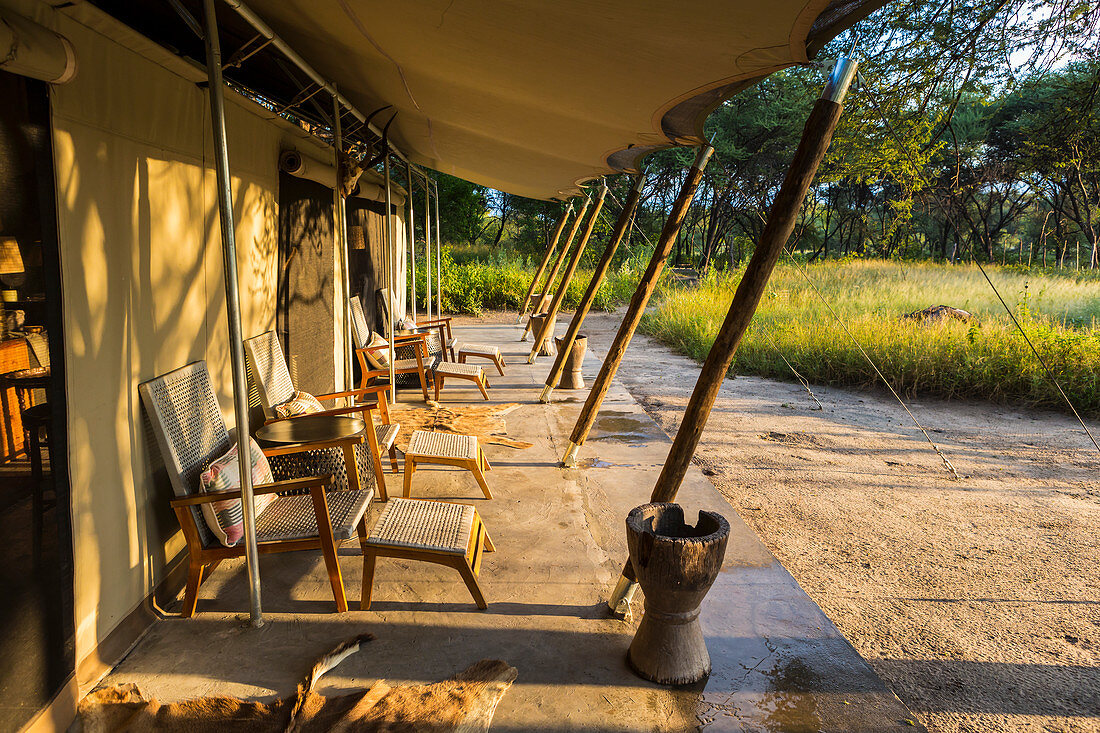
[
  {"x": 188, "y": 426},
  {"x": 360, "y": 330},
  {"x": 269, "y": 370}
]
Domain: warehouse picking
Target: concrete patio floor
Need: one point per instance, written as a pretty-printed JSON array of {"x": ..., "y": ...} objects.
[{"x": 779, "y": 663}]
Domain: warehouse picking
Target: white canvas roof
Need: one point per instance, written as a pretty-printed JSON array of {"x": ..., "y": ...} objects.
[{"x": 536, "y": 97}]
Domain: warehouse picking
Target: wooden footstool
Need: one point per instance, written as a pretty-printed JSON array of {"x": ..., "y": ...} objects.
[
  {"x": 454, "y": 370},
  {"x": 446, "y": 449},
  {"x": 492, "y": 353},
  {"x": 429, "y": 531}
]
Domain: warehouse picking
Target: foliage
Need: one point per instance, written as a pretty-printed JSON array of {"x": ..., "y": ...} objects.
[
  {"x": 499, "y": 281},
  {"x": 985, "y": 359}
]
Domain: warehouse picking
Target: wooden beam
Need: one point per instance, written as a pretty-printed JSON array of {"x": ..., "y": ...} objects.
[
  {"x": 549, "y": 285},
  {"x": 782, "y": 217},
  {"x": 625, "y": 218},
  {"x": 545, "y": 259},
  {"x": 548, "y": 323},
  {"x": 637, "y": 306}
]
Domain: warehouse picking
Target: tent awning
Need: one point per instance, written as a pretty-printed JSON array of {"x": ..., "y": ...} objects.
[{"x": 535, "y": 98}]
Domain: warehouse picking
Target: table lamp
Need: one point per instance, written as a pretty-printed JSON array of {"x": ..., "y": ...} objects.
[{"x": 11, "y": 268}]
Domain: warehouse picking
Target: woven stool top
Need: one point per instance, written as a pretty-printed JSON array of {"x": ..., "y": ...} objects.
[
  {"x": 424, "y": 525},
  {"x": 480, "y": 349},
  {"x": 387, "y": 434},
  {"x": 454, "y": 369},
  {"x": 442, "y": 445}
]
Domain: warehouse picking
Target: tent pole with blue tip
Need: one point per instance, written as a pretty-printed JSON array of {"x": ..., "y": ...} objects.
[
  {"x": 782, "y": 217},
  {"x": 625, "y": 218},
  {"x": 547, "y": 330}
]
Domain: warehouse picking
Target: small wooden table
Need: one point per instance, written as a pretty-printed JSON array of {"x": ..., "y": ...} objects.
[
  {"x": 310, "y": 429},
  {"x": 324, "y": 432},
  {"x": 24, "y": 382}
]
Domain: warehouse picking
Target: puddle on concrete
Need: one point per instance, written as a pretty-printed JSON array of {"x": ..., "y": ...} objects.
[
  {"x": 594, "y": 463},
  {"x": 623, "y": 427}
]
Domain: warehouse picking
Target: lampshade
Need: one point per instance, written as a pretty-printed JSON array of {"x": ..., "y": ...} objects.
[{"x": 11, "y": 261}]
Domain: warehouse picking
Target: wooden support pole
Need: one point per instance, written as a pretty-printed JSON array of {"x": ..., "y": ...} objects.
[
  {"x": 547, "y": 330},
  {"x": 637, "y": 306},
  {"x": 625, "y": 218},
  {"x": 545, "y": 259},
  {"x": 544, "y": 294},
  {"x": 782, "y": 218}
]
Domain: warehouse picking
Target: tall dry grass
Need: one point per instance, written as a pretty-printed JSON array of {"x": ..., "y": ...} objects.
[{"x": 985, "y": 359}]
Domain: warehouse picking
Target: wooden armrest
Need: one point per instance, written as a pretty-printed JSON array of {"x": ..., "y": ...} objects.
[
  {"x": 272, "y": 488},
  {"x": 284, "y": 450},
  {"x": 446, "y": 319},
  {"x": 353, "y": 392},
  {"x": 369, "y": 406}
]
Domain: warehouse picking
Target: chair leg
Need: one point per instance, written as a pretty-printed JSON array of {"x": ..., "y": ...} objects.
[
  {"x": 470, "y": 578},
  {"x": 489, "y": 546},
  {"x": 335, "y": 579},
  {"x": 438, "y": 386},
  {"x": 500, "y": 364},
  {"x": 475, "y": 469},
  {"x": 393, "y": 458},
  {"x": 191, "y": 594},
  {"x": 410, "y": 469},
  {"x": 369, "y": 559},
  {"x": 461, "y": 358},
  {"x": 423, "y": 384},
  {"x": 482, "y": 384}
]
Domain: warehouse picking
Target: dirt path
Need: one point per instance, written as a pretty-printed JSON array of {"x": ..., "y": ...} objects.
[{"x": 978, "y": 600}]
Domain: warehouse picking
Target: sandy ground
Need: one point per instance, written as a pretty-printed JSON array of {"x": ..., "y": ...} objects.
[{"x": 977, "y": 600}]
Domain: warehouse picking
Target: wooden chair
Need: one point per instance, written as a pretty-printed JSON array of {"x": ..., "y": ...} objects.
[
  {"x": 275, "y": 387},
  {"x": 191, "y": 433},
  {"x": 369, "y": 364},
  {"x": 441, "y": 327}
]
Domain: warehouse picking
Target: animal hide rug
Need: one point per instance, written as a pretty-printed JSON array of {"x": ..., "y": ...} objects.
[{"x": 465, "y": 703}]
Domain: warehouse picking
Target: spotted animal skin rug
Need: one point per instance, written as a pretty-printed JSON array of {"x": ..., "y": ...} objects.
[
  {"x": 484, "y": 421},
  {"x": 465, "y": 703}
]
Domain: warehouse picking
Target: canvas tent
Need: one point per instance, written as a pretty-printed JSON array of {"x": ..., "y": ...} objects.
[{"x": 529, "y": 97}]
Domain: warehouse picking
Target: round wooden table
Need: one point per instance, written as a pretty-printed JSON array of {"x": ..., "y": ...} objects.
[
  {"x": 310, "y": 429},
  {"x": 328, "y": 456}
]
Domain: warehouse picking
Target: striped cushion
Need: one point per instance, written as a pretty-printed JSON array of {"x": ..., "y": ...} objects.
[
  {"x": 226, "y": 518},
  {"x": 302, "y": 403}
]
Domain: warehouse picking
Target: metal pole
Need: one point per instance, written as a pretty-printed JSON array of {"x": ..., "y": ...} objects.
[
  {"x": 438, "y": 256},
  {"x": 545, "y": 259},
  {"x": 638, "y": 302},
  {"x": 340, "y": 227},
  {"x": 411, "y": 238},
  {"x": 428, "y": 246},
  {"x": 233, "y": 307},
  {"x": 782, "y": 217},
  {"x": 265, "y": 30},
  {"x": 391, "y": 253},
  {"x": 548, "y": 286},
  {"x": 625, "y": 217},
  {"x": 546, "y": 331}
]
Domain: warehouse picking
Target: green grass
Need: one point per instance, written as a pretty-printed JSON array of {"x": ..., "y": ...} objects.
[
  {"x": 986, "y": 359},
  {"x": 500, "y": 282}
]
